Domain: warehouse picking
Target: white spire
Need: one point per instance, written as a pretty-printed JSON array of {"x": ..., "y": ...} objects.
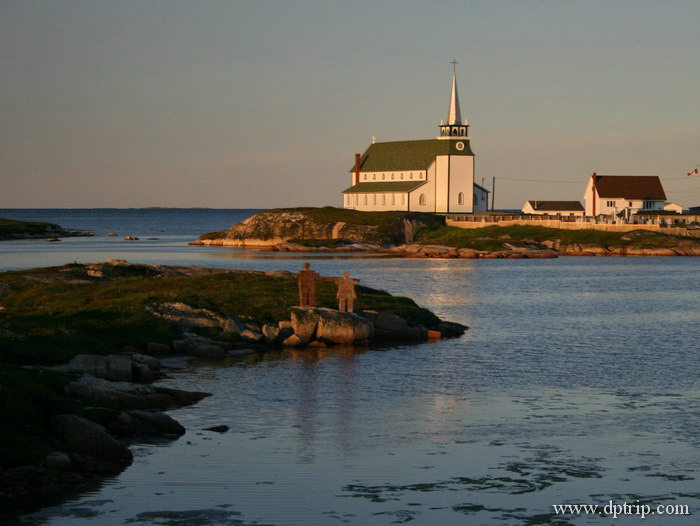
[{"x": 454, "y": 116}]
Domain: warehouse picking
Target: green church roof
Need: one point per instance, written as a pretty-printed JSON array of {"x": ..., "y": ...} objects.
[
  {"x": 409, "y": 155},
  {"x": 371, "y": 188}
]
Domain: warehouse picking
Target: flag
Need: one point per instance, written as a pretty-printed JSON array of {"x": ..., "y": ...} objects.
[{"x": 693, "y": 172}]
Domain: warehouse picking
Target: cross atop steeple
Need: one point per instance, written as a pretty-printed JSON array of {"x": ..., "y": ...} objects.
[{"x": 454, "y": 65}]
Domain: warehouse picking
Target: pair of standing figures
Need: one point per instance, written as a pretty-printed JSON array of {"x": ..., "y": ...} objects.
[{"x": 307, "y": 288}]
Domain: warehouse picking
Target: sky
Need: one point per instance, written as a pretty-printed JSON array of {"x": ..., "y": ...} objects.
[{"x": 260, "y": 104}]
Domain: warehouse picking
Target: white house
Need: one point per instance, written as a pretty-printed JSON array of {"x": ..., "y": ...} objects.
[
  {"x": 430, "y": 175},
  {"x": 554, "y": 208},
  {"x": 626, "y": 194},
  {"x": 673, "y": 207}
]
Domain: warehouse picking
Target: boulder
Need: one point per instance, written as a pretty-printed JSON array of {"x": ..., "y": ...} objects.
[
  {"x": 304, "y": 322},
  {"x": 135, "y": 422},
  {"x": 99, "y": 451},
  {"x": 252, "y": 336},
  {"x": 293, "y": 341},
  {"x": 388, "y": 326},
  {"x": 149, "y": 361},
  {"x": 438, "y": 251},
  {"x": 117, "y": 367},
  {"x": 124, "y": 395},
  {"x": 57, "y": 460},
  {"x": 467, "y": 253},
  {"x": 342, "y": 327},
  {"x": 185, "y": 316}
]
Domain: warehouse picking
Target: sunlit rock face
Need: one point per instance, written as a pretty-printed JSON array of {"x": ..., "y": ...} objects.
[{"x": 274, "y": 227}]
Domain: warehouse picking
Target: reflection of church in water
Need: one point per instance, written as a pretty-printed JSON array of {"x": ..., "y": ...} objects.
[{"x": 431, "y": 175}]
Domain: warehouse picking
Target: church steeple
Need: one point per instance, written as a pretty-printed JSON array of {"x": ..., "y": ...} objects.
[{"x": 455, "y": 127}]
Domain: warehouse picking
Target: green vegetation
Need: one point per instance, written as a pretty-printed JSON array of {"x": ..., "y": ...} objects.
[
  {"x": 211, "y": 235},
  {"x": 317, "y": 243},
  {"x": 53, "y": 313},
  {"x": 9, "y": 228},
  {"x": 493, "y": 237},
  {"x": 387, "y": 222},
  {"x": 49, "y": 315}
]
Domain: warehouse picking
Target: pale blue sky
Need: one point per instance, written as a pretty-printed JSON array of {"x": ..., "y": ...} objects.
[{"x": 229, "y": 104}]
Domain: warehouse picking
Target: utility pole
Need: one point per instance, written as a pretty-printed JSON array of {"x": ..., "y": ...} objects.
[{"x": 493, "y": 193}]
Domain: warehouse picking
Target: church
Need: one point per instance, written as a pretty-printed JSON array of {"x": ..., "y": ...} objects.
[{"x": 428, "y": 175}]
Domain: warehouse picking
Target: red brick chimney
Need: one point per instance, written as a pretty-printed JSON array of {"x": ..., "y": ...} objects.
[{"x": 358, "y": 166}]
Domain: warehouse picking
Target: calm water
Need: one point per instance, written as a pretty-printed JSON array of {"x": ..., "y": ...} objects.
[{"x": 577, "y": 383}]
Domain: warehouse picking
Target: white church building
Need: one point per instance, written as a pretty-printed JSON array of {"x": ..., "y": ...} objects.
[{"x": 430, "y": 175}]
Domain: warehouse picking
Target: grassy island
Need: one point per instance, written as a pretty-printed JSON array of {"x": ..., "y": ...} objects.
[
  {"x": 12, "y": 229},
  {"x": 49, "y": 315}
]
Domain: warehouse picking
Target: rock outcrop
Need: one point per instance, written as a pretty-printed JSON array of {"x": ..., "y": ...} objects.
[{"x": 276, "y": 227}]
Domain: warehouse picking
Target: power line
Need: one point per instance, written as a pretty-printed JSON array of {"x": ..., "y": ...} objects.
[{"x": 540, "y": 180}]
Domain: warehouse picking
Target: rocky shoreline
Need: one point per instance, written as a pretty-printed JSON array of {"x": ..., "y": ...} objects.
[
  {"x": 402, "y": 234},
  {"x": 112, "y": 400}
]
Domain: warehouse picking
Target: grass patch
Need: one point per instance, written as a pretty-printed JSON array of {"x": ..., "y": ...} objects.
[
  {"x": 54, "y": 313},
  {"x": 489, "y": 238}
]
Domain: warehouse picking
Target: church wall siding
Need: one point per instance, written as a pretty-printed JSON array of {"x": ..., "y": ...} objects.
[
  {"x": 461, "y": 180},
  {"x": 442, "y": 169}
]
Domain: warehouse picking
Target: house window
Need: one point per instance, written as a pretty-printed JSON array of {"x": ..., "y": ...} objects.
[
  {"x": 649, "y": 204},
  {"x": 421, "y": 200},
  {"x": 403, "y": 199},
  {"x": 611, "y": 204},
  {"x": 630, "y": 203},
  {"x": 460, "y": 199}
]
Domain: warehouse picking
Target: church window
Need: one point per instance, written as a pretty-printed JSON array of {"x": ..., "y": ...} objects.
[
  {"x": 410, "y": 176},
  {"x": 374, "y": 176},
  {"x": 460, "y": 199},
  {"x": 393, "y": 199},
  {"x": 461, "y": 132},
  {"x": 374, "y": 199},
  {"x": 421, "y": 200},
  {"x": 365, "y": 177},
  {"x": 403, "y": 199},
  {"x": 401, "y": 176},
  {"x": 383, "y": 199},
  {"x": 357, "y": 199},
  {"x": 364, "y": 199},
  {"x": 383, "y": 176},
  {"x": 454, "y": 132},
  {"x": 392, "y": 177}
]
